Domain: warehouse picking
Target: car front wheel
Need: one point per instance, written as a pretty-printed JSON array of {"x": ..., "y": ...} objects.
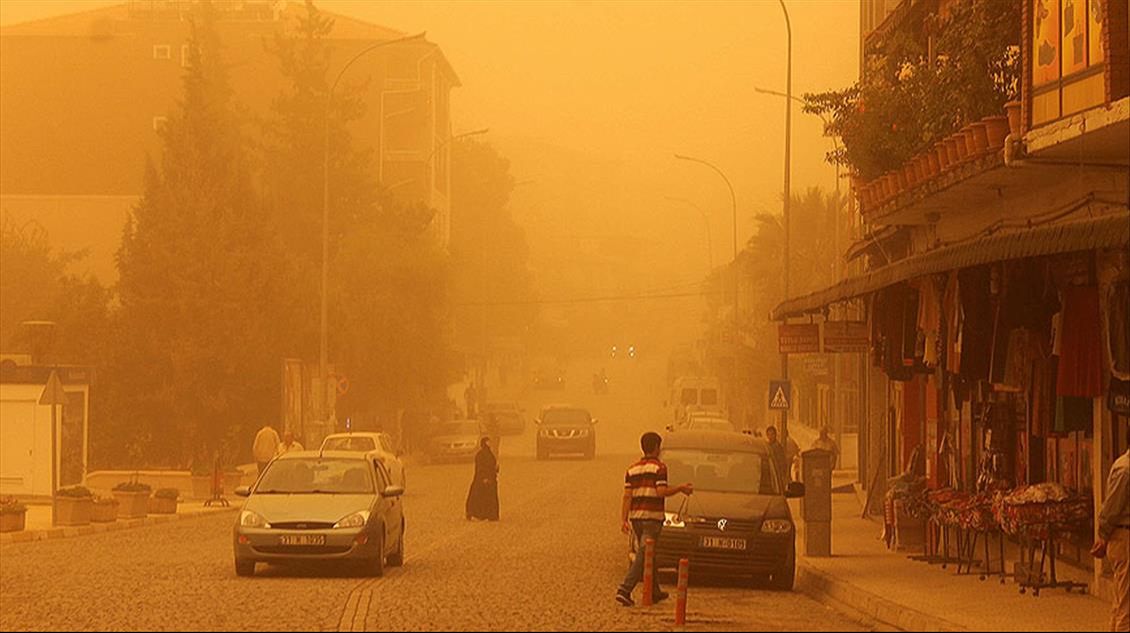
[
  {"x": 377, "y": 568},
  {"x": 396, "y": 559},
  {"x": 244, "y": 567},
  {"x": 784, "y": 577}
]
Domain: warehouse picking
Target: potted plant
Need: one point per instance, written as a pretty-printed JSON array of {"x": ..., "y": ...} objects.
[
  {"x": 997, "y": 129},
  {"x": 12, "y": 515},
  {"x": 72, "y": 506},
  {"x": 201, "y": 480},
  {"x": 104, "y": 510},
  {"x": 980, "y": 137},
  {"x": 164, "y": 501},
  {"x": 134, "y": 499}
]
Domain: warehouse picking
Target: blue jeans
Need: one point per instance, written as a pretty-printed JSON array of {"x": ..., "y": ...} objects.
[{"x": 642, "y": 530}]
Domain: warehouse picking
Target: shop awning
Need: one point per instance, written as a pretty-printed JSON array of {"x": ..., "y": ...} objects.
[{"x": 1108, "y": 231}]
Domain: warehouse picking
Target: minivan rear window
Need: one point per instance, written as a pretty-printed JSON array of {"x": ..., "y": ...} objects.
[{"x": 709, "y": 396}]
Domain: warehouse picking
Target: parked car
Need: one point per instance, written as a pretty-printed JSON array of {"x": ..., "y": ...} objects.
[
  {"x": 510, "y": 417},
  {"x": 710, "y": 423},
  {"x": 737, "y": 522},
  {"x": 314, "y": 505},
  {"x": 365, "y": 442},
  {"x": 566, "y": 429},
  {"x": 455, "y": 441}
]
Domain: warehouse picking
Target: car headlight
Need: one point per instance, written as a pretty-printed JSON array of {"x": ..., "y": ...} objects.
[
  {"x": 355, "y": 520},
  {"x": 777, "y": 526},
  {"x": 250, "y": 519},
  {"x": 670, "y": 519}
]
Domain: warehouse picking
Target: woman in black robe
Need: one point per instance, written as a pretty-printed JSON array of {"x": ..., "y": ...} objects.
[{"x": 482, "y": 500}]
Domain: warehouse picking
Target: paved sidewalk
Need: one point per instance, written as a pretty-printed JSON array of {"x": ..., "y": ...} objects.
[
  {"x": 867, "y": 578},
  {"x": 38, "y": 527}
]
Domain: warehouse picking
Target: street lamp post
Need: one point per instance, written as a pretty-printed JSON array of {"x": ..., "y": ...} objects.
[
  {"x": 788, "y": 196},
  {"x": 323, "y": 354},
  {"x": 734, "y": 272}
]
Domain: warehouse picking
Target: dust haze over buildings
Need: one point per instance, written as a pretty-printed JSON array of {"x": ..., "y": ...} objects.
[{"x": 590, "y": 101}]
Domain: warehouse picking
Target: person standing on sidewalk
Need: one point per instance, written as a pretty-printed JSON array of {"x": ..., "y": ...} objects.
[
  {"x": 265, "y": 446},
  {"x": 642, "y": 512},
  {"x": 288, "y": 444},
  {"x": 1114, "y": 539},
  {"x": 826, "y": 443}
]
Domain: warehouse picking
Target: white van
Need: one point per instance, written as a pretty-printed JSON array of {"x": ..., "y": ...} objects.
[{"x": 696, "y": 393}]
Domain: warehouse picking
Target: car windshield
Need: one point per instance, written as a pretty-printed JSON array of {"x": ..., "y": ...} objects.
[
  {"x": 690, "y": 396},
  {"x": 701, "y": 424},
  {"x": 709, "y": 396},
  {"x": 722, "y": 471},
  {"x": 359, "y": 444},
  {"x": 461, "y": 428},
  {"x": 567, "y": 416},
  {"x": 313, "y": 476}
]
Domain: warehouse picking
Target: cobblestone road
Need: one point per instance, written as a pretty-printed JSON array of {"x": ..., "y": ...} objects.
[{"x": 552, "y": 563}]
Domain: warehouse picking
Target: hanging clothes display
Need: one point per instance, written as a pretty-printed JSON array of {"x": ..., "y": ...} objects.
[
  {"x": 976, "y": 324},
  {"x": 951, "y": 310},
  {"x": 1043, "y": 398},
  {"x": 1118, "y": 329},
  {"x": 896, "y": 311},
  {"x": 1081, "y": 354},
  {"x": 1073, "y": 413},
  {"x": 929, "y": 322}
]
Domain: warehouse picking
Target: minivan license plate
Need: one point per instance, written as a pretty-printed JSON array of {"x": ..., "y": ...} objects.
[
  {"x": 718, "y": 542},
  {"x": 303, "y": 539}
]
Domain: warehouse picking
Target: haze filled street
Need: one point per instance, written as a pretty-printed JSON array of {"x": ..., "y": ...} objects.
[{"x": 551, "y": 563}]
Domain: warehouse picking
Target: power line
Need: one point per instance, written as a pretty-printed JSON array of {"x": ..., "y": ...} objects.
[{"x": 640, "y": 297}]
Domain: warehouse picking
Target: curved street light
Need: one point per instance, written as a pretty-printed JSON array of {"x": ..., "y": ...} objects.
[{"x": 322, "y": 356}]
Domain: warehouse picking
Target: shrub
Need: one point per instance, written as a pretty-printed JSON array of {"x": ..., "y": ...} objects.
[
  {"x": 9, "y": 505},
  {"x": 167, "y": 493},
  {"x": 132, "y": 486},
  {"x": 77, "y": 492},
  {"x": 105, "y": 501}
]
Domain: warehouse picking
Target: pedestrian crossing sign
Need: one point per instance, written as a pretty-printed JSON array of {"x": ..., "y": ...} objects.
[{"x": 780, "y": 395}]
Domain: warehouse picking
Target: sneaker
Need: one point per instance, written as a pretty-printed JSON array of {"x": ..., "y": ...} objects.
[
  {"x": 624, "y": 598},
  {"x": 659, "y": 596}
]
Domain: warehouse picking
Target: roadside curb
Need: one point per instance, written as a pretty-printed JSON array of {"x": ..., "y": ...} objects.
[
  {"x": 55, "y": 533},
  {"x": 825, "y": 587}
]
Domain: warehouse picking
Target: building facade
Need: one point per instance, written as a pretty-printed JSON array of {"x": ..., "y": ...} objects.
[
  {"x": 78, "y": 171},
  {"x": 996, "y": 281}
]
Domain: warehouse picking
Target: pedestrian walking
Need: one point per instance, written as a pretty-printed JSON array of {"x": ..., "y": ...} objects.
[
  {"x": 1114, "y": 539},
  {"x": 265, "y": 446},
  {"x": 826, "y": 443},
  {"x": 288, "y": 444},
  {"x": 470, "y": 395},
  {"x": 482, "y": 499},
  {"x": 492, "y": 428},
  {"x": 642, "y": 511}
]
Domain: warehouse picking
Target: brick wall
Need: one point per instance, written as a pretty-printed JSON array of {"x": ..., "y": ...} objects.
[{"x": 1116, "y": 48}]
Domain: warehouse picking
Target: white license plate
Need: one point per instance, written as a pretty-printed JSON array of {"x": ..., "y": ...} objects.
[
  {"x": 718, "y": 542},
  {"x": 303, "y": 539}
]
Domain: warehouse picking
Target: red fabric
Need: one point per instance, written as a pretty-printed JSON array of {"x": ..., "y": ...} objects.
[{"x": 1081, "y": 356}]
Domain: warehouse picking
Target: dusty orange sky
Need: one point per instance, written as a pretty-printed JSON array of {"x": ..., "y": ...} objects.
[{"x": 618, "y": 87}]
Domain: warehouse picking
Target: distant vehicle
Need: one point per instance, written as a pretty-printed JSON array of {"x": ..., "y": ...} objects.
[
  {"x": 308, "y": 505},
  {"x": 455, "y": 441},
  {"x": 695, "y": 393},
  {"x": 549, "y": 379},
  {"x": 707, "y": 423},
  {"x": 737, "y": 523},
  {"x": 566, "y": 429},
  {"x": 365, "y": 442},
  {"x": 511, "y": 419}
]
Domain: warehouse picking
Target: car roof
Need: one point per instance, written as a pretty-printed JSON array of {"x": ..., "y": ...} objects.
[
  {"x": 563, "y": 407},
  {"x": 368, "y": 434},
  {"x": 715, "y": 440},
  {"x": 502, "y": 404},
  {"x": 323, "y": 454}
]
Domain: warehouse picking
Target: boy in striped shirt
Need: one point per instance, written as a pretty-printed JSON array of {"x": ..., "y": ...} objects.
[{"x": 642, "y": 512}]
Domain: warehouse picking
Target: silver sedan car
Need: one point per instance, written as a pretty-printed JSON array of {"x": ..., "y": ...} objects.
[{"x": 331, "y": 505}]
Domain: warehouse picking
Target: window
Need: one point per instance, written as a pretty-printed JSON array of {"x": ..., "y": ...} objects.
[
  {"x": 1066, "y": 50},
  {"x": 162, "y": 51},
  {"x": 709, "y": 396},
  {"x": 159, "y": 122},
  {"x": 690, "y": 396}
]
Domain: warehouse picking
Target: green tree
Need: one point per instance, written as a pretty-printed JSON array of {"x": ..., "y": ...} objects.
[{"x": 200, "y": 282}]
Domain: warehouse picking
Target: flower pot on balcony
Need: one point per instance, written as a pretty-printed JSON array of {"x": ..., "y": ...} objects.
[
  {"x": 950, "y": 146},
  {"x": 910, "y": 177},
  {"x": 104, "y": 510},
  {"x": 1012, "y": 111},
  {"x": 961, "y": 145},
  {"x": 933, "y": 165},
  {"x": 997, "y": 129},
  {"x": 893, "y": 185},
  {"x": 980, "y": 138},
  {"x": 69, "y": 511},
  {"x": 132, "y": 505}
]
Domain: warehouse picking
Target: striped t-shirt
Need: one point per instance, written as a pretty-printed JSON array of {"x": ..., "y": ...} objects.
[{"x": 642, "y": 481}]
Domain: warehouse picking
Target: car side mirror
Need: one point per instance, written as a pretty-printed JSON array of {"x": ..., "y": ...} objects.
[
  {"x": 795, "y": 490},
  {"x": 392, "y": 491},
  {"x": 243, "y": 491}
]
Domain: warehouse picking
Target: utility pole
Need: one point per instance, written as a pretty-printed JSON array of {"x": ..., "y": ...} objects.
[{"x": 788, "y": 200}]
